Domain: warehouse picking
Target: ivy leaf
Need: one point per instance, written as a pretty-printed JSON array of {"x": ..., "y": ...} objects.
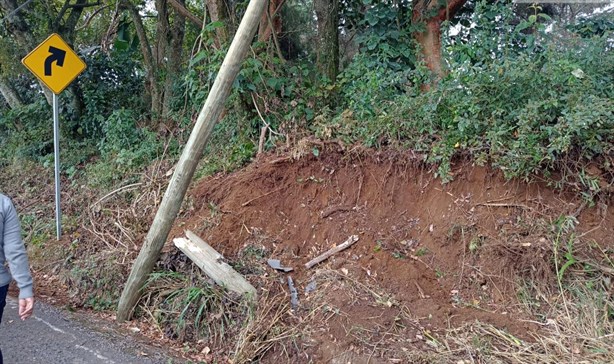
[{"x": 522, "y": 26}]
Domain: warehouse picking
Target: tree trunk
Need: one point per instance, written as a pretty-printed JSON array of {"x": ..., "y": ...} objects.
[
  {"x": 270, "y": 22},
  {"x": 179, "y": 6},
  {"x": 173, "y": 60},
  {"x": 67, "y": 28},
  {"x": 10, "y": 94},
  {"x": 432, "y": 14},
  {"x": 327, "y": 49},
  {"x": 78, "y": 104},
  {"x": 173, "y": 197},
  {"x": 430, "y": 46},
  {"x": 162, "y": 43},
  {"x": 163, "y": 61},
  {"x": 151, "y": 66},
  {"x": 218, "y": 11}
]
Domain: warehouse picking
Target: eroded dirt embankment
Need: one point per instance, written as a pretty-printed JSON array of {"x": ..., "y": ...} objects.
[{"x": 430, "y": 256}]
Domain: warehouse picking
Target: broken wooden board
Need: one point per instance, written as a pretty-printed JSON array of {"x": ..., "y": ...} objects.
[{"x": 213, "y": 264}]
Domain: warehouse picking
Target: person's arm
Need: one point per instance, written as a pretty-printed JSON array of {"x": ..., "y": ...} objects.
[{"x": 15, "y": 254}]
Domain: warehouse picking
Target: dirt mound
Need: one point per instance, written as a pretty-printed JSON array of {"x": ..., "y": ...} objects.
[{"x": 429, "y": 256}]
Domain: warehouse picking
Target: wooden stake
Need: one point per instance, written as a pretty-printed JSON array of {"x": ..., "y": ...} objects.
[
  {"x": 173, "y": 197},
  {"x": 346, "y": 244}
]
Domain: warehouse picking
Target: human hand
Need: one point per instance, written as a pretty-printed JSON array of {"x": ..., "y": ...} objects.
[{"x": 26, "y": 307}]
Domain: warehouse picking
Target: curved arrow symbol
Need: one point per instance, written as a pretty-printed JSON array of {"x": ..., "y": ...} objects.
[{"x": 57, "y": 55}]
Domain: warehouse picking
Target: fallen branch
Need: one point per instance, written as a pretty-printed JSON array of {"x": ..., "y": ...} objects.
[
  {"x": 346, "y": 244},
  {"x": 504, "y": 205},
  {"x": 121, "y": 189}
]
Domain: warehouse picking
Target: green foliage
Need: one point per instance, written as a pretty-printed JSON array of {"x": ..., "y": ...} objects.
[
  {"x": 109, "y": 84},
  {"x": 26, "y": 132},
  {"x": 599, "y": 25},
  {"x": 125, "y": 148},
  {"x": 523, "y": 111},
  {"x": 202, "y": 69},
  {"x": 231, "y": 146},
  {"x": 367, "y": 84},
  {"x": 288, "y": 91},
  {"x": 384, "y": 66},
  {"x": 386, "y": 34},
  {"x": 267, "y": 92}
]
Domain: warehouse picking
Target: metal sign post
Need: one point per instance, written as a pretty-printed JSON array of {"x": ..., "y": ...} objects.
[
  {"x": 56, "y": 151},
  {"x": 56, "y": 65}
]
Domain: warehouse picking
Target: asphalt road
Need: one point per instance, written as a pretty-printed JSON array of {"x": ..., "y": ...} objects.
[{"x": 53, "y": 336}]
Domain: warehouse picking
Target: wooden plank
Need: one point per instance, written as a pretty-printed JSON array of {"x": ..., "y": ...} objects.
[
  {"x": 213, "y": 264},
  {"x": 320, "y": 258}
]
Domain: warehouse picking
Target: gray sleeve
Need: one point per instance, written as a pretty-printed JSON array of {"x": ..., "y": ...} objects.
[{"x": 15, "y": 252}]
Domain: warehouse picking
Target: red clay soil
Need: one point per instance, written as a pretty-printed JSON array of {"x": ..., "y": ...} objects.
[{"x": 449, "y": 254}]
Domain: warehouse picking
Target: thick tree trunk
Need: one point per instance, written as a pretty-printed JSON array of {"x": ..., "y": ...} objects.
[
  {"x": 171, "y": 202},
  {"x": 432, "y": 14},
  {"x": 78, "y": 104},
  {"x": 430, "y": 44},
  {"x": 67, "y": 28},
  {"x": 327, "y": 49},
  {"x": 9, "y": 93}
]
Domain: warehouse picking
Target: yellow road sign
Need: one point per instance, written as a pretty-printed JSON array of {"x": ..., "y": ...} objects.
[{"x": 54, "y": 63}]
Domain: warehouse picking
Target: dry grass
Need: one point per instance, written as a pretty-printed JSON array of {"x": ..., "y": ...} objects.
[
  {"x": 270, "y": 325},
  {"x": 578, "y": 329},
  {"x": 186, "y": 308}
]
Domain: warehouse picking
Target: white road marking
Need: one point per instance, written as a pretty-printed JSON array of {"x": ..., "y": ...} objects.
[
  {"x": 96, "y": 353},
  {"x": 14, "y": 305},
  {"x": 52, "y": 327}
]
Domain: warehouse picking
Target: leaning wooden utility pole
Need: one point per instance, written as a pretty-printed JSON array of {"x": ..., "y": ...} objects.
[{"x": 184, "y": 171}]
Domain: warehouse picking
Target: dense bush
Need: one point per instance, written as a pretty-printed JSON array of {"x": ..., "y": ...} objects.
[
  {"x": 26, "y": 132},
  {"x": 522, "y": 111}
]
